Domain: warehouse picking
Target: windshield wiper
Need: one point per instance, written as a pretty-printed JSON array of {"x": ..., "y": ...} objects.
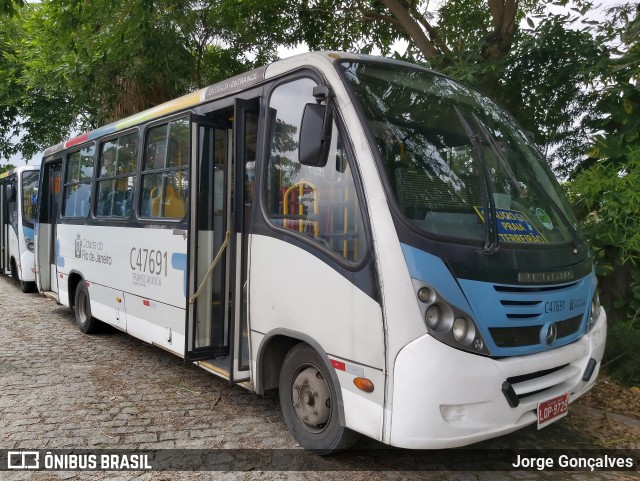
[
  {"x": 496, "y": 150},
  {"x": 507, "y": 168},
  {"x": 491, "y": 225}
]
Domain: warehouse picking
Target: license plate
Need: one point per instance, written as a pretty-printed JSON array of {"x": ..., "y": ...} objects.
[{"x": 552, "y": 410}]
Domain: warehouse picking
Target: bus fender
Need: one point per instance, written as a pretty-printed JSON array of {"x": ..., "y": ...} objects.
[
  {"x": 293, "y": 338},
  {"x": 72, "y": 284}
]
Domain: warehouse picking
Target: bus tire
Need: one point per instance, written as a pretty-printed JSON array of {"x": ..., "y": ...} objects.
[
  {"x": 82, "y": 307},
  {"x": 13, "y": 269},
  {"x": 309, "y": 403},
  {"x": 27, "y": 286}
]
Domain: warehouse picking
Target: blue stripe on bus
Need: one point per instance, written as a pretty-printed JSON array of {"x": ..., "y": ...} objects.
[
  {"x": 59, "y": 258},
  {"x": 179, "y": 262},
  {"x": 432, "y": 271},
  {"x": 28, "y": 232}
]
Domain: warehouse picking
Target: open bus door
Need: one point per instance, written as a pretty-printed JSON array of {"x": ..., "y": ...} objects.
[
  {"x": 223, "y": 163},
  {"x": 208, "y": 293},
  {"x": 46, "y": 251},
  {"x": 9, "y": 195},
  {"x": 3, "y": 225}
]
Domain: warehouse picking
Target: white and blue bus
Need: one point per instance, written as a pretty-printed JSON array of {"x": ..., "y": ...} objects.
[
  {"x": 18, "y": 202},
  {"x": 378, "y": 241}
]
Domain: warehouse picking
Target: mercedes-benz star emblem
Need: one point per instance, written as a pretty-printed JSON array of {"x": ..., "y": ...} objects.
[{"x": 552, "y": 332}]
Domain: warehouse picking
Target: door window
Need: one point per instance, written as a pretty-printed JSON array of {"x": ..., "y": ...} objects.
[{"x": 320, "y": 203}]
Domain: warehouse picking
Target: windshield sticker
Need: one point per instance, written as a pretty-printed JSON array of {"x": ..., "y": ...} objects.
[
  {"x": 514, "y": 227},
  {"x": 544, "y": 218}
]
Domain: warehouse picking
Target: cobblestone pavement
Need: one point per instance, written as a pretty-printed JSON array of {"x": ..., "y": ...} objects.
[{"x": 60, "y": 389}]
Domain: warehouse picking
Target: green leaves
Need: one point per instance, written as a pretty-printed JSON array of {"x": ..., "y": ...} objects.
[{"x": 73, "y": 65}]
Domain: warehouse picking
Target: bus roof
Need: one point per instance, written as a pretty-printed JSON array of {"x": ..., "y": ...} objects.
[
  {"x": 19, "y": 169},
  {"x": 207, "y": 94}
]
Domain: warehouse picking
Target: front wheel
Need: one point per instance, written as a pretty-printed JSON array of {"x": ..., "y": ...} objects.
[
  {"x": 86, "y": 322},
  {"x": 309, "y": 403}
]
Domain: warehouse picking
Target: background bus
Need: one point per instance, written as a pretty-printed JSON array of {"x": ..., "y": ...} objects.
[
  {"x": 377, "y": 241},
  {"x": 18, "y": 199}
]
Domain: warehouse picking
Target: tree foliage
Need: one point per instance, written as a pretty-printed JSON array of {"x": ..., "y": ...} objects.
[
  {"x": 606, "y": 195},
  {"x": 6, "y": 168},
  {"x": 70, "y": 65},
  {"x": 9, "y": 7},
  {"x": 76, "y": 64}
]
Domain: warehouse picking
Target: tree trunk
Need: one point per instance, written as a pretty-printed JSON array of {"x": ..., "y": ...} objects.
[
  {"x": 615, "y": 287},
  {"x": 412, "y": 28},
  {"x": 503, "y": 18}
]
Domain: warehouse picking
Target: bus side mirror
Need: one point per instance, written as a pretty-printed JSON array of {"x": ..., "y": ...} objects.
[
  {"x": 315, "y": 135},
  {"x": 11, "y": 193}
]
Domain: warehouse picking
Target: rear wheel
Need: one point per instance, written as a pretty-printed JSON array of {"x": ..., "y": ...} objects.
[
  {"x": 27, "y": 286},
  {"x": 309, "y": 403},
  {"x": 86, "y": 322}
]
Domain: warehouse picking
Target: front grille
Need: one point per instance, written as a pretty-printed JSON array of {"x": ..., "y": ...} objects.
[
  {"x": 530, "y": 335},
  {"x": 522, "y": 316},
  {"x": 539, "y": 385},
  {"x": 526, "y": 290},
  {"x": 533, "y": 375},
  {"x": 568, "y": 327},
  {"x": 523, "y": 307},
  {"x": 519, "y": 303},
  {"x": 515, "y": 336}
]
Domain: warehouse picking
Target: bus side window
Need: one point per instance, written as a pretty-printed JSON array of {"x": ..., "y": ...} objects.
[
  {"x": 77, "y": 186},
  {"x": 13, "y": 205},
  {"x": 318, "y": 202},
  {"x": 116, "y": 176},
  {"x": 165, "y": 175}
]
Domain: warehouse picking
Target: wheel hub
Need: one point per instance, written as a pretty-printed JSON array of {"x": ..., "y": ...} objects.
[{"x": 311, "y": 398}]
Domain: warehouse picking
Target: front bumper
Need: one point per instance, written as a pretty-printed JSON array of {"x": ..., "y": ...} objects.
[{"x": 443, "y": 397}]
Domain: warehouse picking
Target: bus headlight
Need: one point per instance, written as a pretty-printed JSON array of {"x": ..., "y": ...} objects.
[
  {"x": 433, "y": 316},
  {"x": 459, "y": 329},
  {"x": 595, "y": 311},
  {"x": 446, "y": 322},
  {"x": 425, "y": 295}
]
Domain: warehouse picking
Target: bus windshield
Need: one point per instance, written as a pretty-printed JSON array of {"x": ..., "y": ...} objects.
[{"x": 445, "y": 147}]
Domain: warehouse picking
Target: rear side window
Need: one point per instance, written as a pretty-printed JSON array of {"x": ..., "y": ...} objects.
[
  {"x": 116, "y": 177},
  {"x": 77, "y": 184},
  {"x": 165, "y": 174}
]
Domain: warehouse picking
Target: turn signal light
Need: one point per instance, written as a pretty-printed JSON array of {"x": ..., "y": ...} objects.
[{"x": 363, "y": 384}]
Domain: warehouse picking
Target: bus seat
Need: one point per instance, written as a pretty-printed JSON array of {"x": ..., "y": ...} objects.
[
  {"x": 155, "y": 199},
  {"x": 83, "y": 210},
  {"x": 104, "y": 204},
  {"x": 127, "y": 203},
  {"x": 118, "y": 198},
  {"x": 145, "y": 206},
  {"x": 173, "y": 203}
]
